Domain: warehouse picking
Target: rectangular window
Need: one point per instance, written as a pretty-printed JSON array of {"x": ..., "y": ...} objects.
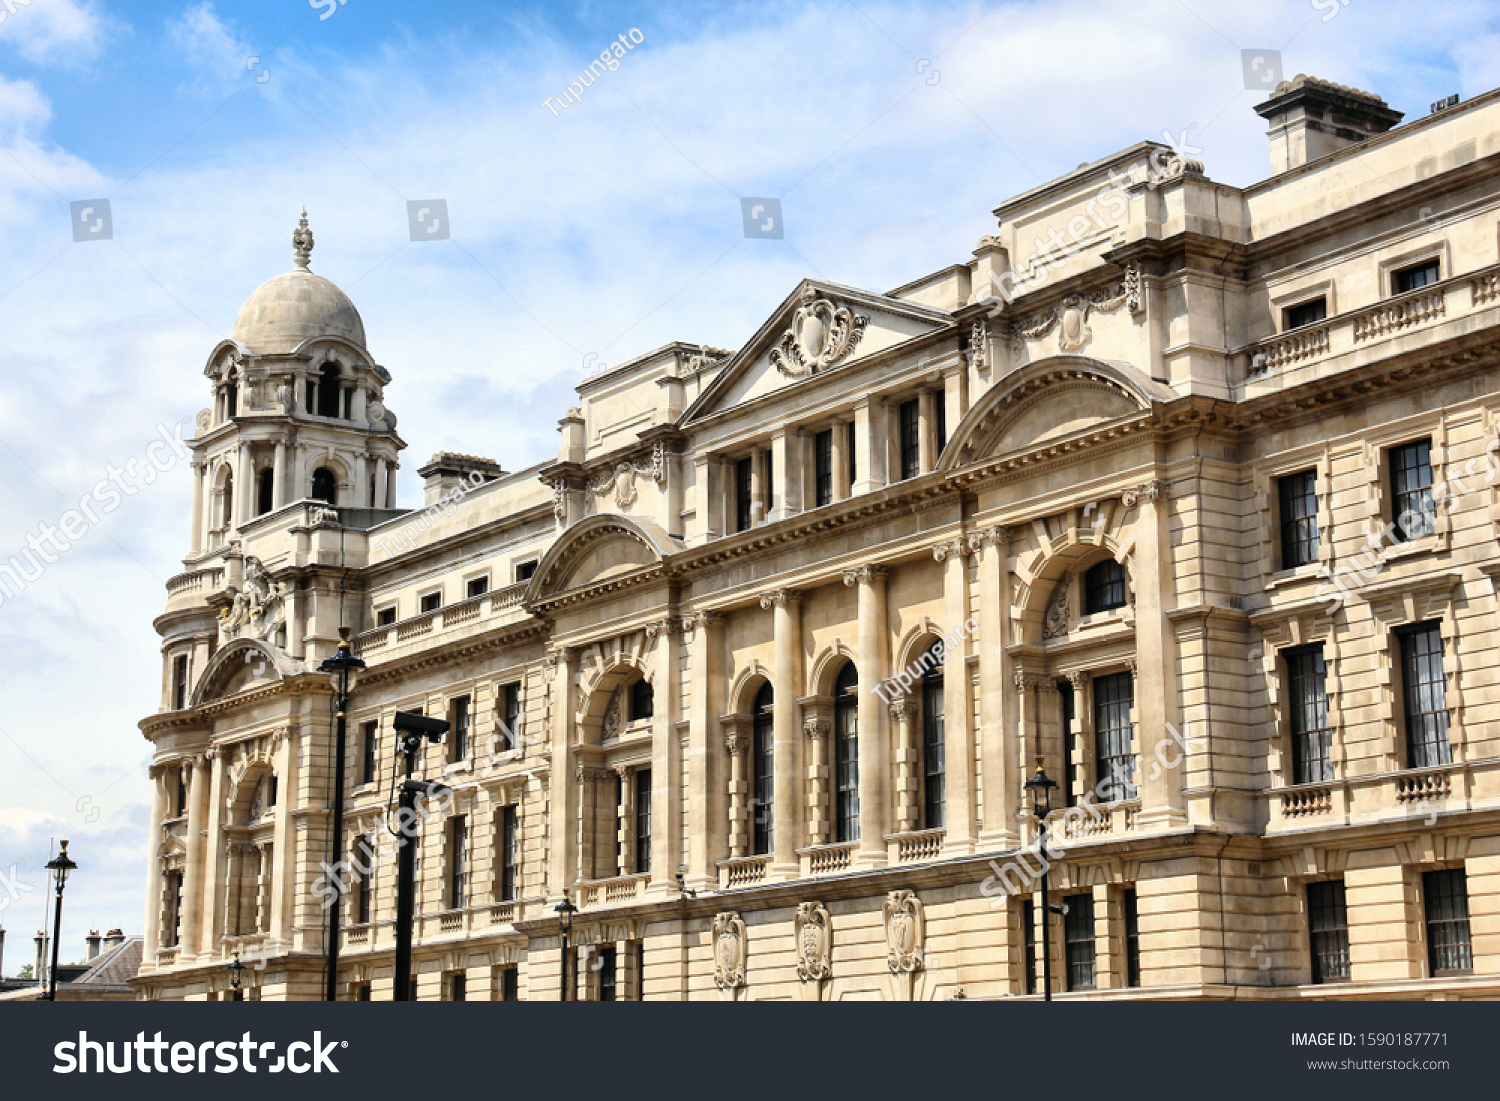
[
  {"x": 364, "y": 881},
  {"x": 642, "y": 821},
  {"x": 770, "y": 482},
  {"x": 510, "y": 854},
  {"x": 1130, "y": 906},
  {"x": 1028, "y": 945},
  {"x": 369, "y": 740},
  {"x": 934, "y": 791},
  {"x": 459, "y": 719},
  {"x": 1425, "y": 689},
  {"x": 526, "y": 571},
  {"x": 846, "y": 770},
  {"x": 763, "y": 791},
  {"x": 1307, "y": 313},
  {"x": 642, "y": 700},
  {"x": 608, "y": 974},
  {"x": 1416, "y": 277},
  {"x": 361, "y": 992},
  {"x": 1445, "y": 896},
  {"x": 823, "y": 467},
  {"x": 911, "y": 439},
  {"x": 179, "y": 682},
  {"x": 1412, "y": 509},
  {"x": 1328, "y": 931},
  {"x": 174, "y": 911},
  {"x": 477, "y": 586},
  {"x": 1299, "y": 518},
  {"x": 385, "y": 616},
  {"x": 939, "y": 421},
  {"x": 510, "y": 716},
  {"x": 1078, "y": 939},
  {"x": 1114, "y": 696},
  {"x": 182, "y": 795},
  {"x": 458, "y": 987},
  {"x": 742, "y": 497},
  {"x": 1307, "y": 702},
  {"x": 853, "y": 457},
  {"x": 432, "y": 602},
  {"x": 1104, "y": 587},
  {"x": 458, "y": 862},
  {"x": 638, "y": 968},
  {"x": 510, "y": 984}
]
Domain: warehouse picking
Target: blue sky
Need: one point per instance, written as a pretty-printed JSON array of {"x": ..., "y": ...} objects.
[{"x": 578, "y": 240}]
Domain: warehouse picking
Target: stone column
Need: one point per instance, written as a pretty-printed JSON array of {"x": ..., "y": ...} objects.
[
  {"x": 816, "y": 728},
  {"x": 736, "y": 746},
  {"x": 278, "y": 476},
  {"x": 244, "y": 486},
  {"x": 283, "y": 889},
  {"x": 390, "y": 483},
  {"x": 193, "y": 885},
  {"x": 874, "y": 744},
  {"x": 1155, "y": 646},
  {"x": 908, "y": 798},
  {"x": 955, "y": 398},
  {"x": 587, "y": 819},
  {"x": 563, "y": 663},
  {"x": 216, "y": 859},
  {"x": 381, "y": 475},
  {"x": 195, "y": 537},
  {"x": 958, "y": 695},
  {"x": 757, "y": 489},
  {"x": 299, "y": 487},
  {"x": 707, "y": 800},
  {"x": 1000, "y": 760},
  {"x": 786, "y": 680},
  {"x": 361, "y": 480},
  {"x": 871, "y": 437},
  {"x": 625, "y": 839},
  {"x": 786, "y": 468},
  {"x": 840, "y": 461},
  {"x": 153, "y": 872},
  {"x": 666, "y": 757},
  {"x": 926, "y": 432}
]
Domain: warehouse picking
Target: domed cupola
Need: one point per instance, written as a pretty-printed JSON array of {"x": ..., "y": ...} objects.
[{"x": 297, "y": 306}]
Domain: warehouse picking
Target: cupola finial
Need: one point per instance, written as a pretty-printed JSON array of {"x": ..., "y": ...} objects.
[{"x": 302, "y": 242}]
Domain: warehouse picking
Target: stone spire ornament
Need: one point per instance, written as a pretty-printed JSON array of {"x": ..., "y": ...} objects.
[{"x": 302, "y": 242}]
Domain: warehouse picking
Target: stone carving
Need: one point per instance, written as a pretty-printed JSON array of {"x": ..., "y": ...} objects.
[
  {"x": 1149, "y": 491},
  {"x": 957, "y": 547},
  {"x": 1133, "y": 300},
  {"x": 902, "y": 709},
  {"x": 560, "y": 501},
  {"x": 1056, "y": 624},
  {"x": 905, "y": 932},
  {"x": 779, "y": 598},
  {"x": 814, "y": 937},
  {"x": 814, "y": 727},
  {"x": 612, "y": 718},
  {"x": 821, "y": 334},
  {"x": 977, "y": 354},
  {"x": 584, "y": 774},
  {"x": 258, "y": 609},
  {"x": 1074, "y": 321},
  {"x": 736, "y": 744},
  {"x": 621, "y": 479},
  {"x": 203, "y": 420},
  {"x": 864, "y": 573},
  {"x": 1072, "y": 313},
  {"x": 729, "y": 951},
  {"x": 302, "y": 242}
]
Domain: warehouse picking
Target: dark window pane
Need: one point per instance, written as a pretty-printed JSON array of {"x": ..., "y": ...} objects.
[
  {"x": 385, "y": 617},
  {"x": 1299, "y": 518},
  {"x": 1078, "y": 938},
  {"x": 1425, "y": 690},
  {"x": 1028, "y": 945},
  {"x": 458, "y": 862},
  {"x": 762, "y": 792},
  {"x": 477, "y": 586},
  {"x": 1412, "y": 509},
  {"x": 1307, "y": 313},
  {"x": 641, "y": 700},
  {"x": 510, "y": 717},
  {"x": 1414, "y": 278},
  {"x": 1068, "y": 705},
  {"x": 1446, "y": 898},
  {"x": 458, "y": 988},
  {"x": 1307, "y": 705},
  {"x": 642, "y": 821},
  {"x": 1104, "y": 587},
  {"x": 510, "y": 985},
  {"x": 934, "y": 793},
  {"x": 846, "y": 754},
  {"x": 325, "y": 486},
  {"x": 742, "y": 498},
  {"x": 823, "y": 468},
  {"x": 853, "y": 457},
  {"x": 911, "y": 440},
  {"x": 1130, "y": 905},
  {"x": 510, "y": 854},
  {"x": 1328, "y": 928},
  {"x": 939, "y": 422},
  {"x": 369, "y": 740},
  {"x": 1114, "y": 696},
  {"x": 432, "y": 602},
  {"x": 608, "y": 974},
  {"x": 526, "y": 571},
  {"x": 179, "y": 683}
]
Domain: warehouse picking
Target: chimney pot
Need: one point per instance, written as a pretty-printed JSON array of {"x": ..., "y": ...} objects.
[{"x": 1312, "y": 118}]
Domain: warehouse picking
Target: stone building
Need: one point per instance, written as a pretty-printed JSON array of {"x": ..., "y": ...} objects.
[{"x": 1182, "y": 490}]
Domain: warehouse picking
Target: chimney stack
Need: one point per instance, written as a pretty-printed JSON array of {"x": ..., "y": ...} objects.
[
  {"x": 113, "y": 939},
  {"x": 1311, "y": 118},
  {"x": 92, "y": 940}
]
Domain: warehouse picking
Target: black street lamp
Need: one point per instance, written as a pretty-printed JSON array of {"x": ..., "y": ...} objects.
[
  {"x": 1041, "y": 785},
  {"x": 411, "y": 728},
  {"x": 565, "y": 912},
  {"x": 236, "y": 969},
  {"x": 60, "y": 866},
  {"x": 343, "y": 670}
]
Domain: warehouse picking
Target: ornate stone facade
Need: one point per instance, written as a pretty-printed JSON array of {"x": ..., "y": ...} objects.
[{"x": 1204, "y": 519}]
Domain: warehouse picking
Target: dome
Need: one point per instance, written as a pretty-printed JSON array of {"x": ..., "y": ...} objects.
[{"x": 297, "y": 306}]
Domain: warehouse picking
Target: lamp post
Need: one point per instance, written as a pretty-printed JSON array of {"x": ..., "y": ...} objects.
[
  {"x": 411, "y": 728},
  {"x": 343, "y": 670},
  {"x": 60, "y": 866},
  {"x": 565, "y": 912},
  {"x": 1041, "y": 785},
  {"x": 236, "y": 969}
]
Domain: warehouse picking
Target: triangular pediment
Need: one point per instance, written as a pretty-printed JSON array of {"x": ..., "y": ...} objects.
[{"x": 819, "y": 328}]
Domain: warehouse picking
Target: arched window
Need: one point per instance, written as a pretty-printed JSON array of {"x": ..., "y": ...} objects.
[
  {"x": 231, "y": 401},
  {"x": 325, "y": 486},
  {"x": 762, "y": 785},
  {"x": 228, "y": 499},
  {"x": 1104, "y": 587},
  {"x": 846, "y": 754},
  {"x": 265, "y": 491},
  {"x": 328, "y": 390},
  {"x": 934, "y": 781}
]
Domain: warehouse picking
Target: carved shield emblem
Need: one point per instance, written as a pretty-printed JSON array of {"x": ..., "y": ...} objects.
[
  {"x": 729, "y": 951},
  {"x": 814, "y": 942},
  {"x": 904, "y": 931}
]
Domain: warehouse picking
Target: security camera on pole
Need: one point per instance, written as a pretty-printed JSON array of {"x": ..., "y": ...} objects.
[{"x": 411, "y": 728}]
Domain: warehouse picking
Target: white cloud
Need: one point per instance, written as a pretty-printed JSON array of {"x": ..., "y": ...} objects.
[{"x": 52, "y": 31}]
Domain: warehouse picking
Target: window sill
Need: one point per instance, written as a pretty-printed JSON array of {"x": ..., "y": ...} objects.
[{"x": 1305, "y": 572}]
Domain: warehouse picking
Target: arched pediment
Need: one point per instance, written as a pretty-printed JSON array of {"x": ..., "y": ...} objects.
[
  {"x": 1048, "y": 400},
  {"x": 243, "y": 664},
  {"x": 598, "y": 548}
]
